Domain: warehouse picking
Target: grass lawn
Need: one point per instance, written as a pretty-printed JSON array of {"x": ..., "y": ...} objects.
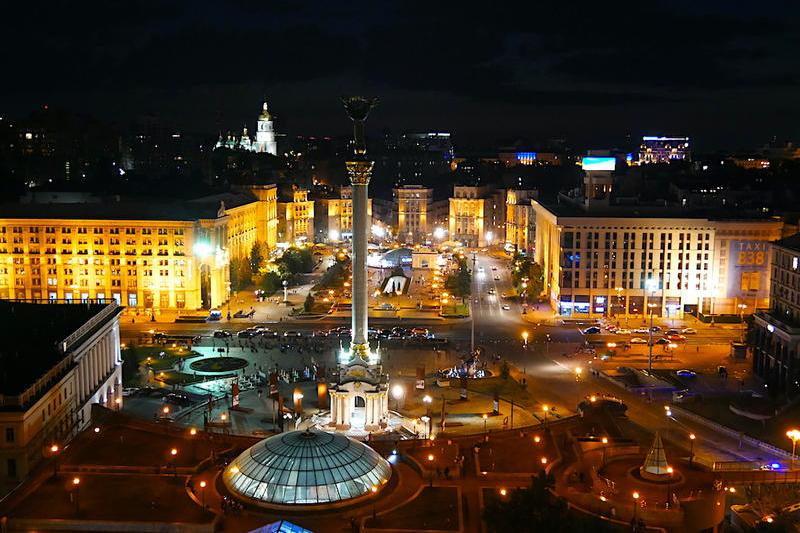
[
  {"x": 516, "y": 455},
  {"x": 434, "y": 508},
  {"x": 170, "y": 377},
  {"x": 509, "y": 389},
  {"x": 156, "y": 362},
  {"x": 458, "y": 310},
  {"x": 114, "y": 497}
]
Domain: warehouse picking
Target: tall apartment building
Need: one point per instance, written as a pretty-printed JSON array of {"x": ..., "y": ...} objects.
[
  {"x": 412, "y": 207},
  {"x": 520, "y": 220},
  {"x": 296, "y": 217},
  {"x": 618, "y": 260},
  {"x": 477, "y": 215},
  {"x": 147, "y": 255},
  {"x": 776, "y": 338},
  {"x": 58, "y": 359}
]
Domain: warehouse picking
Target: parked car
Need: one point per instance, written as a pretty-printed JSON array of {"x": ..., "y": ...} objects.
[
  {"x": 221, "y": 334},
  {"x": 420, "y": 332},
  {"x": 130, "y": 391},
  {"x": 638, "y": 340}
]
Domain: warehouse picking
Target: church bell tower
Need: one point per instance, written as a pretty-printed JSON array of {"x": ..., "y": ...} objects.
[{"x": 265, "y": 135}]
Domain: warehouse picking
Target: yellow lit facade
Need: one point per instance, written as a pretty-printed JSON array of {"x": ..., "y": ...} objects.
[
  {"x": 520, "y": 220},
  {"x": 158, "y": 262},
  {"x": 335, "y": 216},
  {"x": 595, "y": 265},
  {"x": 412, "y": 203},
  {"x": 477, "y": 216},
  {"x": 296, "y": 220}
]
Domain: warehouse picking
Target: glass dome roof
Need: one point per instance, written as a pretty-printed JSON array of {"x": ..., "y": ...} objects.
[{"x": 306, "y": 467}]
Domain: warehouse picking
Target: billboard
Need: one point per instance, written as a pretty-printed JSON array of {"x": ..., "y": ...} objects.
[
  {"x": 598, "y": 163},
  {"x": 748, "y": 269}
]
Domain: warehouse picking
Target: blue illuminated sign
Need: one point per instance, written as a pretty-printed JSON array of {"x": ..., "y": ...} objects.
[{"x": 599, "y": 163}]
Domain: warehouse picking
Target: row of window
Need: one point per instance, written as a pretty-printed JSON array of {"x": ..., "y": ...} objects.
[{"x": 94, "y": 231}]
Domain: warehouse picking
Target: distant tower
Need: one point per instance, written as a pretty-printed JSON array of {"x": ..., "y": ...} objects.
[{"x": 265, "y": 136}]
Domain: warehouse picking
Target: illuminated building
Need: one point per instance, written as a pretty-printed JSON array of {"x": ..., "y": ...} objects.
[
  {"x": 264, "y": 141},
  {"x": 476, "y": 216},
  {"x": 776, "y": 336},
  {"x": 296, "y": 217},
  {"x": 655, "y": 149},
  {"x": 334, "y": 216},
  {"x": 520, "y": 220},
  {"x": 669, "y": 258},
  {"x": 412, "y": 205},
  {"x": 58, "y": 359},
  {"x": 145, "y": 255},
  {"x": 512, "y": 159}
]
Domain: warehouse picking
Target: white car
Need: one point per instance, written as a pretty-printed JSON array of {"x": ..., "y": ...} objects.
[
  {"x": 638, "y": 340},
  {"x": 689, "y": 331},
  {"x": 623, "y": 331},
  {"x": 642, "y": 330},
  {"x": 506, "y": 308}
]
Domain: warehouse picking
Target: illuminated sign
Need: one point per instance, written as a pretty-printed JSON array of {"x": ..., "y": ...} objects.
[
  {"x": 748, "y": 269},
  {"x": 526, "y": 158},
  {"x": 599, "y": 163}
]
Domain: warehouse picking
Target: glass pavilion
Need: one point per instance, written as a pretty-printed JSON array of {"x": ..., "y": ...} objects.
[{"x": 306, "y": 467}]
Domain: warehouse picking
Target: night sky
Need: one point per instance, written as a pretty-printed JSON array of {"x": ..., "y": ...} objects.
[{"x": 725, "y": 73}]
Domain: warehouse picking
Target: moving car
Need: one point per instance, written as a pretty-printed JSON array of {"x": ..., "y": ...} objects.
[
  {"x": 221, "y": 334},
  {"x": 676, "y": 338},
  {"x": 506, "y": 307},
  {"x": 689, "y": 331},
  {"x": 497, "y": 278},
  {"x": 685, "y": 373},
  {"x": 592, "y": 330},
  {"x": 638, "y": 340},
  {"x": 623, "y": 331},
  {"x": 292, "y": 334}
]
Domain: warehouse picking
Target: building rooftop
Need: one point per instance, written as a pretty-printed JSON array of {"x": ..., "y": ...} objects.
[
  {"x": 31, "y": 334},
  {"x": 138, "y": 209},
  {"x": 637, "y": 210},
  {"x": 791, "y": 242}
]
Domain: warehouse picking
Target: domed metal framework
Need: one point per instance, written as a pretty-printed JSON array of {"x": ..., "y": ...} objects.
[{"x": 306, "y": 467}]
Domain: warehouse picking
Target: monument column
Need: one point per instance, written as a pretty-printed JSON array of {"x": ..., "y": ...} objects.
[{"x": 360, "y": 171}]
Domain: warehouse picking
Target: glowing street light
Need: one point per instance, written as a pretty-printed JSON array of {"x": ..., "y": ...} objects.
[
  {"x": 503, "y": 492},
  {"x": 635, "y": 505},
  {"x": 692, "y": 437},
  {"x": 545, "y": 408},
  {"x": 794, "y": 435},
  {"x": 397, "y": 394},
  {"x": 203, "y": 492},
  {"x": 485, "y": 419},
  {"x": 430, "y": 469},
  {"x": 525, "y": 338}
]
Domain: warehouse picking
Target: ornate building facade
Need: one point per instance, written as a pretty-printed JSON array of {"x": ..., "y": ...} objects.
[{"x": 264, "y": 141}]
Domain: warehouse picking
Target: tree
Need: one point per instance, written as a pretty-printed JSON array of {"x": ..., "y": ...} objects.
[
  {"x": 459, "y": 283},
  {"x": 296, "y": 261},
  {"x": 271, "y": 282},
  {"x": 240, "y": 273},
  {"x": 130, "y": 364},
  {"x": 535, "y": 509},
  {"x": 308, "y": 305},
  {"x": 256, "y": 257},
  {"x": 527, "y": 276}
]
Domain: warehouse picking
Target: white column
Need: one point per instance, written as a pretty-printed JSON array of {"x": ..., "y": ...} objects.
[
  {"x": 82, "y": 388},
  {"x": 370, "y": 410}
]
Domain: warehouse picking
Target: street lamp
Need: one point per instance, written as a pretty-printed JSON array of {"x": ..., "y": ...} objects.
[
  {"x": 670, "y": 471},
  {"x": 794, "y": 435},
  {"x": 545, "y": 408},
  {"x": 605, "y": 443},
  {"x": 525, "y": 338},
  {"x": 692, "y": 437},
  {"x": 427, "y": 400},
  {"x": 373, "y": 489},
  {"x": 578, "y": 372},
  {"x": 485, "y": 418},
  {"x": 397, "y": 393},
  {"x": 430, "y": 469},
  {"x": 203, "y": 493},
  {"x": 635, "y": 505},
  {"x": 650, "y": 343},
  {"x": 76, "y": 493},
  {"x": 742, "y": 307}
]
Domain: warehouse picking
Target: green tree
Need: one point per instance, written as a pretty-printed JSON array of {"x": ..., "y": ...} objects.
[
  {"x": 308, "y": 305},
  {"x": 296, "y": 261},
  {"x": 536, "y": 509},
  {"x": 459, "y": 283},
  {"x": 271, "y": 282},
  {"x": 527, "y": 276},
  {"x": 240, "y": 273},
  {"x": 130, "y": 364},
  {"x": 256, "y": 257}
]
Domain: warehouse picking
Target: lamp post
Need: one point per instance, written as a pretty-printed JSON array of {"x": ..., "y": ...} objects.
[
  {"x": 545, "y": 408},
  {"x": 525, "y": 339},
  {"x": 397, "y": 393},
  {"x": 605, "y": 443},
  {"x": 650, "y": 342},
  {"x": 76, "y": 494},
  {"x": 430, "y": 469},
  {"x": 794, "y": 435},
  {"x": 54, "y": 449},
  {"x": 285, "y": 291},
  {"x": 670, "y": 471},
  {"x": 635, "y": 505},
  {"x": 485, "y": 419},
  {"x": 692, "y": 437},
  {"x": 203, "y": 493},
  {"x": 427, "y": 400},
  {"x": 374, "y": 490},
  {"x": 742, "y": 307}
]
